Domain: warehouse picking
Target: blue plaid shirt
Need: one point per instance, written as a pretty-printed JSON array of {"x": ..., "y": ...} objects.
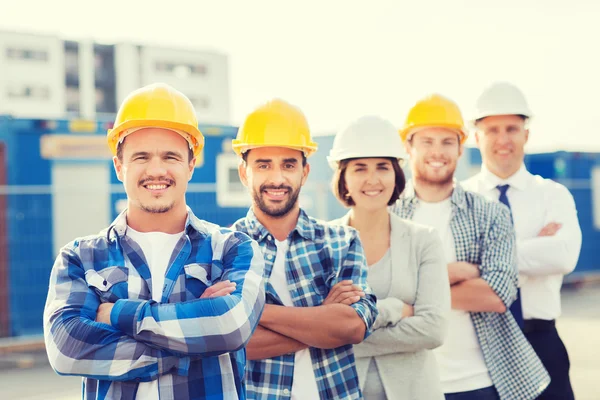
[
  {"x": 483, "y": 235},
  {"x": 193, "y": 346},
  {"x": 319, "y": 256}
]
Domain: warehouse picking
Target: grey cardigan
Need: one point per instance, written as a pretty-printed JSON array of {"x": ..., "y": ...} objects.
[{"x": 400, "y": 347}]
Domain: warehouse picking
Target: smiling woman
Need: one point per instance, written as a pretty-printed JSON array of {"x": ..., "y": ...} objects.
[{"x": 404, "y": 259}]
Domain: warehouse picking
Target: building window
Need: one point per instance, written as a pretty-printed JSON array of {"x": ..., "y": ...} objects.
[
  {"x": 26, "y": 54},
  {"x": 72, "y": 97},
  {"x": 181, "y": 70},
  {"x": 29, "y": 92}
]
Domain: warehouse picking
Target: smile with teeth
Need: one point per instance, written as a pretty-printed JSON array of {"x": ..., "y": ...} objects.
[
  {"x": 372, "y": 192},
  {"x": 503, "y": 152},
  {"x": 156, "y": 187},
  {"x": 436, "y": 164},
  {"x": 276, "y": 193}
]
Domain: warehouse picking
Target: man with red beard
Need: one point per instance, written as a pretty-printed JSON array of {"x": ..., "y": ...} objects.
[
  {"x": 318, "y": 300},
  {"x": 485, "y": 355}
]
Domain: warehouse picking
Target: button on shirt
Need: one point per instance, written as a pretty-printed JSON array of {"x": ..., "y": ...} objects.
[
  {"x": 542, "y": 261},
  {"x": 319, "y": 256}
]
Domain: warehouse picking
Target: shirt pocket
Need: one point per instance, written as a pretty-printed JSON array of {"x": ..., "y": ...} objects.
[
  {"x": 196, "y": 279},
  {"x": 110, "y": 284}
]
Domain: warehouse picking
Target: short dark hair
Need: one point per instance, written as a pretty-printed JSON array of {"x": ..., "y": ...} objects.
[
  {"x": 341, "y": 191},
  {"x": 120, "y": 151},
  {"x": 245, "y": 157}
]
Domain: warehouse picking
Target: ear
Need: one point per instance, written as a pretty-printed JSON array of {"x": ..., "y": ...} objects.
[
  {"x": 407, "y": 146},
  {"x": 461, "y": 149},
  {"x": 118, "y": 168},
  {"x": 305, "y": 172},
  {"x": 243, "y": 173},
  {"x": 192, "y": 167},
  {"x": 526, "y": 135}
]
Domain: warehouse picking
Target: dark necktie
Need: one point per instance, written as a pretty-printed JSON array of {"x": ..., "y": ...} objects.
[{"x": 515, "y": 308}]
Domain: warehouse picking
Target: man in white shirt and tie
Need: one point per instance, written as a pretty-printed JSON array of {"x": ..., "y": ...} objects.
[{"x": 545, "y": 219}]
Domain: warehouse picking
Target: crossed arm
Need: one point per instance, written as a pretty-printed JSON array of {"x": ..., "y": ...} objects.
[
  {"x": 335, "y": 323},
  {"x": 492, "y": 285},
  {"x": 472, "y": 293},
  {"x": 141, "y": 339}
]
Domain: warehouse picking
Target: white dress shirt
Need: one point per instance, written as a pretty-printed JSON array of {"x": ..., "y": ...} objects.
[{"x": 542, "y": 261}]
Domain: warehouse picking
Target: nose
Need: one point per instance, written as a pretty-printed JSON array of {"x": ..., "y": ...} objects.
[
  {"x": 436, "y": 150},
  {"x": 503, "y": 138},
  {"x": 372, "y": 178},
  {"x": 276, "y": 177},
  {"x": 156, "y": 168}
]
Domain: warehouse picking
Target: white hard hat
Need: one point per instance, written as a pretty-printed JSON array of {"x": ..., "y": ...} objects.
[
  {"x": 366, "y": 137},
  {"x": 501, "y": 98}
]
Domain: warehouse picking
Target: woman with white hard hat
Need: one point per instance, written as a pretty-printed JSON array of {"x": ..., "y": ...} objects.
[{"x": 407, "y": 269}]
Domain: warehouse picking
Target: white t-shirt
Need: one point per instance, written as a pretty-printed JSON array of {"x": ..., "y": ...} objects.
[
  {"x": 304, "y": 384},
  {"x": 157, "y": 248},
  {"x": 460, "y": 359}
]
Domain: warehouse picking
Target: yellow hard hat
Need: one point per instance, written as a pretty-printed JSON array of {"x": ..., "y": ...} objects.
[
  {"x": 437, "y": 111},
  {"x": 275, "y": 124},
  {"x": 157, "y": 106}
]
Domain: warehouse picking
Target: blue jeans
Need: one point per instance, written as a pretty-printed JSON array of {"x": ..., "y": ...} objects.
[{"x": 488, "y": 393}]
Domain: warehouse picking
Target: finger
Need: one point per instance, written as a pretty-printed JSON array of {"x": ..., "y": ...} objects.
[
  {"x": 341, "y": 285},
  {"x": 339, "y": 288},
  {"x": 351, "y": 300},
  {"x": 348, "y": 295},
  {"x": 335, "y": 296},
  {"x": 223, "y": 292},
  {"x": 218, "y": 286}
]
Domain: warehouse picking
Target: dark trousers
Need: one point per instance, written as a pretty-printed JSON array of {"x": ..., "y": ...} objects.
[
  {"x": 544, "y": 339},
  {"x": 488, "y": 393}
]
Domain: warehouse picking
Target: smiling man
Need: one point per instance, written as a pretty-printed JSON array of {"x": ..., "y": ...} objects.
[
  {"x": 545, "y": 218},
  {"x": 160, "y": 304},
  {"x": 318, "y": 301},
  {"x": 485, "y": 355}
]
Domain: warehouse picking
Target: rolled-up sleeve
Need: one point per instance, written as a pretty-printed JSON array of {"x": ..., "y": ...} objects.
[
  {"x": 354, "y": 267},
  {"x": 498, "y": 260}
]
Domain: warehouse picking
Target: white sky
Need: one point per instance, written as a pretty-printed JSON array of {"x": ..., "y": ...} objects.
[{"x": 339, "y": 59}]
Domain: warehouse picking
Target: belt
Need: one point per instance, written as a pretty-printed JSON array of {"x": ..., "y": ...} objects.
[{"x": 538, "y": 325}]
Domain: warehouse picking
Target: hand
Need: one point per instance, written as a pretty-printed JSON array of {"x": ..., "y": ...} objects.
[
  {"x": 103, "y": 313},
  {"x": 550, "y": 229},
  {"x": 462, "y": 271},
  {"x": 408, "y": 311},
  {"x": 219, "y": 289},
  {"x": 344, "y": 292}
]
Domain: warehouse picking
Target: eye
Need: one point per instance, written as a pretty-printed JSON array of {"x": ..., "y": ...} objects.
[
  {"x": 262, "y": 166},
  {"x": 289, "y": 166}
]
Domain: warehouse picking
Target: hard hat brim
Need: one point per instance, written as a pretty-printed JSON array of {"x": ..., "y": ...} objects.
[
  {"x": 114, "y": 134},
  {"x": 241, "y": 148}
]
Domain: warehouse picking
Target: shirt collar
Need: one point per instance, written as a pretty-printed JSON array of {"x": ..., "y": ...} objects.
[
  {"x": 519, "y": 180},
  {"x": 457, "y": 197},
  {"x": 192, "y": 223},
  {"x": 256, "y": 230}
]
